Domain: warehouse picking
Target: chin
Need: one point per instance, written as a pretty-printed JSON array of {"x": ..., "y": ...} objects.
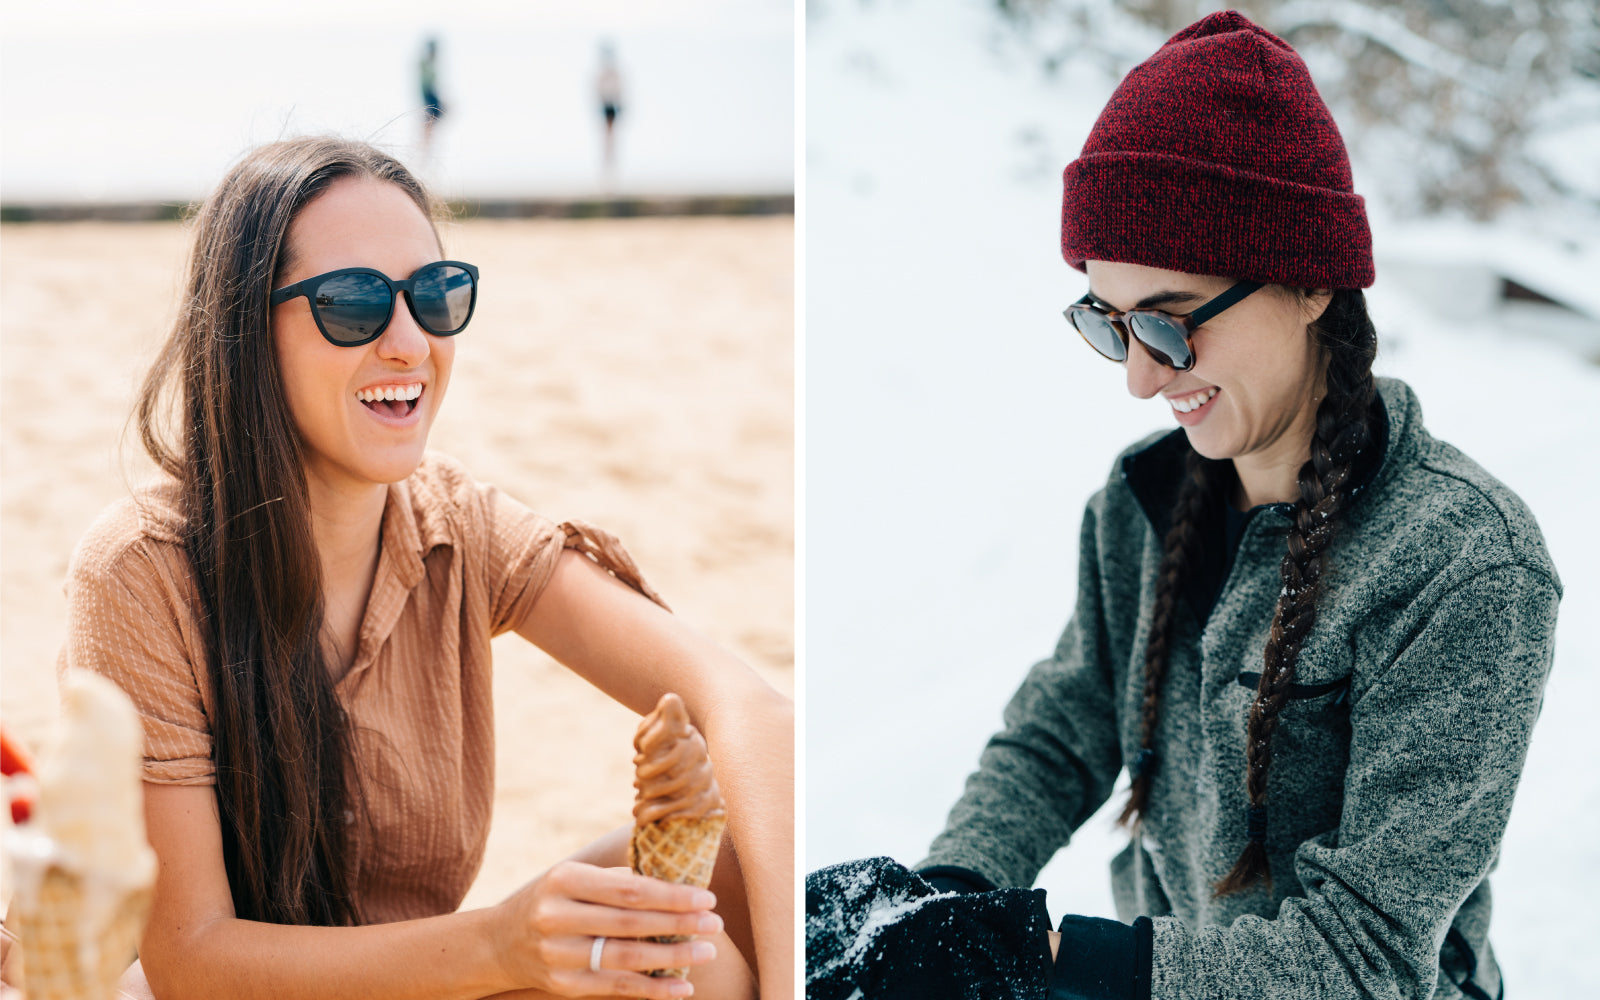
[
  {"x": 393, "y": 468},
  {"x": 1207, "y": 446}
]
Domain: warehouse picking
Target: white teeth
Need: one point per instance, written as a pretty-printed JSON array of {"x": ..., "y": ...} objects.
[
  {"x": 1188, "y": 404},
  {"x": 390, "y": 392}
]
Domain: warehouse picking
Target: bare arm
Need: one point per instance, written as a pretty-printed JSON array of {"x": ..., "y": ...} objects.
[
  {"x": 195, "y": 946},
  {"x": 635, "y": 651}
]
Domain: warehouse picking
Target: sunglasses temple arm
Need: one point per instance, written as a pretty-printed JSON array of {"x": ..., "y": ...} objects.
[{"x": 1221, "y": 302}]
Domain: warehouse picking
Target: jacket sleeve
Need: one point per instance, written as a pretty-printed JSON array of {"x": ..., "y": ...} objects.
[
  {"x": 1056, "y": 758},
  {"x": 1438, "y": 742}
]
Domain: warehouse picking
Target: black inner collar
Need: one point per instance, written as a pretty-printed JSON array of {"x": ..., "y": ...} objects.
[{"x": 1155, "y": 474}]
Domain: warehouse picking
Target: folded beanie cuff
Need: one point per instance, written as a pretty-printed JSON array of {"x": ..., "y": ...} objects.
[{"x": 1200, "y": 217}]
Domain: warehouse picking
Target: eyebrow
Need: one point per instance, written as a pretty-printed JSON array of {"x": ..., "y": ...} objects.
[{"x": 1164, "y": 298}]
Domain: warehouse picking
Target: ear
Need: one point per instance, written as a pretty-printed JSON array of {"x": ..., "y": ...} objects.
[{"x": 1314, "y": 302}]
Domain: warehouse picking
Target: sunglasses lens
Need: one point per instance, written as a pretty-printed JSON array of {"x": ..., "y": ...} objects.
[
  {"x": 1165, "y": 339},
  {"x": 442, "y": 296},
  {"x": 353, "y": 307},
  {"x": 1099, "y": 331}
]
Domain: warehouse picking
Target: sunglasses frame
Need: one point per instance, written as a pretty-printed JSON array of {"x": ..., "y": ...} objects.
[
  {"x": 308, "y": 288},
  {"x": 1189, "y": 322}
]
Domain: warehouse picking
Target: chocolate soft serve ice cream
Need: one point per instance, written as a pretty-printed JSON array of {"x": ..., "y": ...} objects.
[{"x": 678, "y": 812}]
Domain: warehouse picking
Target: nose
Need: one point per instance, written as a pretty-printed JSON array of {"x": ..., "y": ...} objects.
[
  {"x": 403, "y": 340},
  {"x": 1146, "y": 376}
]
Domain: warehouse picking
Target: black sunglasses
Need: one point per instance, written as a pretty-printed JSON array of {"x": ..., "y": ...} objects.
[
  {"x": 353, "y": 305},
  {"x": 1166, "y": 336}
]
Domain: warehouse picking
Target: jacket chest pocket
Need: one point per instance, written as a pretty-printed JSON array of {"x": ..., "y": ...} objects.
[
  {"x": 1323, "y": 673},
  {"x": 1311, "y": 744},
  {"x": 1336, "y": 690},
  {"x": 1319, "y": 696}
]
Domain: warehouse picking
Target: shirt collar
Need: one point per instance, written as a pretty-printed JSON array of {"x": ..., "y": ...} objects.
[{"x": 409, "y": 534}]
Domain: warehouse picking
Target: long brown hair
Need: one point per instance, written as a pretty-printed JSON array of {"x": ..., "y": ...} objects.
[
  {"x": 282, "y": 746},
  {"x": 1347, "y": 343}
]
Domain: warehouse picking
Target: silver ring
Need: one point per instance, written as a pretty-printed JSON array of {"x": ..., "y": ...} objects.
[{"x": 594, "y": 953}]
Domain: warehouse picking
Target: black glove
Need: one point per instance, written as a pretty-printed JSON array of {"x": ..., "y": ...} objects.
[{"x": 873, "y": 926}]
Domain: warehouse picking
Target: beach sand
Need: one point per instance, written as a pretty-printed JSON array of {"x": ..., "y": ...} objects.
[{"x": 633, "y": 373}]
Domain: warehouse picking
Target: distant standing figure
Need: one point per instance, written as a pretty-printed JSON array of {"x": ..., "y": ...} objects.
[
  {"x": 432, "y": 106},
  {"x": 608, "y": 88}
]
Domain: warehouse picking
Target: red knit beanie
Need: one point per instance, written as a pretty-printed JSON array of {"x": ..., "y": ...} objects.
[{"x": 1217, "y": 156}]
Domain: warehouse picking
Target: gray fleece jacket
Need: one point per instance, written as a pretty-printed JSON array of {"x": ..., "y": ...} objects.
[{"x": 1394, "y": 764}]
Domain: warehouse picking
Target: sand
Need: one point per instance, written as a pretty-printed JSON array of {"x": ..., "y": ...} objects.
[{"x": 634, "y": 373}]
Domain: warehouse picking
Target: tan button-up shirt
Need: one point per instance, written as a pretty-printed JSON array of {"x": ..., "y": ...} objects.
[{"x": 460, "y": 563}]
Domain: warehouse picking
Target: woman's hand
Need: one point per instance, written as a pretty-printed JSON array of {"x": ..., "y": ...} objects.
[
  {"x": 535, "y": 944},
  {"x": 636, "y": 652},
  {"x": 545, "y": 933}
]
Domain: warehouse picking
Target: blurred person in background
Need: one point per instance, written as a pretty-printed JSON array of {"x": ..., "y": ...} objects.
[
  {"x": 1316, "y": 637},
  {"x": 432, "y": 103},
  {"x": 608, "y": 91},
  {"x": 302, "y": 609}
]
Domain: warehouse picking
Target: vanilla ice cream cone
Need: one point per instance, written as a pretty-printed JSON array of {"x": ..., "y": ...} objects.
[
  {"x": 78, "y": 937},
  {"x": 678, "y": 813},
  {"x": 82, "y": 867}
]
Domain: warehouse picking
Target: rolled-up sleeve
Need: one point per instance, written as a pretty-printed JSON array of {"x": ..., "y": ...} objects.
[
  {"x": 129, "y": 618},
  {"x": 523, "y": 548}
]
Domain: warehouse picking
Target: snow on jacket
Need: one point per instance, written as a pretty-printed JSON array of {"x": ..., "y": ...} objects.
[{"x": 1395, "y": 760}]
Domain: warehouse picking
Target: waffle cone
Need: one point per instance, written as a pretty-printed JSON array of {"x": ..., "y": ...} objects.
[
  {"x": 677, "y": 850},
  {"x": 65, "y": 956}
]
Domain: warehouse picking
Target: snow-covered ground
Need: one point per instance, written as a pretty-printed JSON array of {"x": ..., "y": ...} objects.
[{"x": 955, "y": 427}]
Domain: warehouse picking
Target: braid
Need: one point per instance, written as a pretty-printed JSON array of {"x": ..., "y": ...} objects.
[
  {"x": 1343, "y": 431},
  {"x": 1181, "y": 547}
]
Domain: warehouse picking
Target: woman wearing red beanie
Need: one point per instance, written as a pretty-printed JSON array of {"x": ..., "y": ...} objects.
[{"x": 1315, "y": 636}]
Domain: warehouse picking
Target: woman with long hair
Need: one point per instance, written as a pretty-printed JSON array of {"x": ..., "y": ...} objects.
[
  {"x": 302, "y": 608},
  {"x": 1314, "y": 636}
]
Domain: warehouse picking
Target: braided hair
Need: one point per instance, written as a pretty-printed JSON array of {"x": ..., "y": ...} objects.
[{"x": 1344, "y": 429}]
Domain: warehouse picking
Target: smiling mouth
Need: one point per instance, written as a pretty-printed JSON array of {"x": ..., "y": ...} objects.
[
  {"x": 391, "y": 400},
  {"x": 1193, "y": 401}
]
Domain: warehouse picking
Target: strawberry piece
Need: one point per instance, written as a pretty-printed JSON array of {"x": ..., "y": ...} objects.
[{"x": 15, "y": 759}]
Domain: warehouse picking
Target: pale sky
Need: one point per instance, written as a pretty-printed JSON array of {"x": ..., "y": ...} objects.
[
  {"x": 103, "y": 15},
  {"x": 107, "y": 101}
]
